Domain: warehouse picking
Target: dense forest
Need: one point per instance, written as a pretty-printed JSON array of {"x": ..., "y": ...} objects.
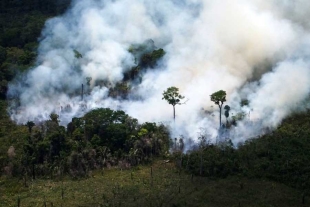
[
  {"x": 21, "y": 24},
  {"x": 104, "y": 138},
  {"x": 14, "y": 7}
]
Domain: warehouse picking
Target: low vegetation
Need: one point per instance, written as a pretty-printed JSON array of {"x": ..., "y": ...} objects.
[
  {"x": 107, "y": 158},
  {"x": 159, "y": 184},
  {"x": 281, "y": 156}
]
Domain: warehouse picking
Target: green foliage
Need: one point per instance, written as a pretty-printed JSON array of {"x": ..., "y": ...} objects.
[
  {"x": 11, "y": 37},
  {"x": 282, "y": 156},
  {"x": 212, "y": 160},
  {"x": 218, "y": 97},
  {"x": 102, "y": 137},
  {"x": 2, "y": 54},
  {"x": 146, "y": 57},
  {"x": 150, "y": 127},
  {"x": 172, "y": 96},
  {"x": 19, "y": 57},
  {"x": 139, "y": 49},
  {"x": 227, "y": 109},
  {"x": 133, "y": 73},
  {"x": 30, "y": 124},
  {"x": 18, "y": 43},
  {"x": 21, "y": 29},
  {"x": 238, "y": 117},
  {"x": 161, "y": 184},
  {"x": 244, "y": 102},
  {"x": 77, "y": 54},
  {"x": 150, "y": 60},
  {"x": 142, "y": 132},
  {"x": 26, "y": 6},
  {"x": 54, "y": 118},
  {"x": 120, "y": 90}
]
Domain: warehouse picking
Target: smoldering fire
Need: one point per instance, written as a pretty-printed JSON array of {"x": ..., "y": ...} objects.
[{"x": 255, "y": 50}]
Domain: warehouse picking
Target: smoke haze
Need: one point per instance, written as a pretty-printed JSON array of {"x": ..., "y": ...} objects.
[{"x": 255, "y": 50}]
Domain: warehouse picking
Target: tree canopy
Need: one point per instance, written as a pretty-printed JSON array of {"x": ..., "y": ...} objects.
[
  {"x": 219, "y": 98},
  {"x": 173, "y": 97}
]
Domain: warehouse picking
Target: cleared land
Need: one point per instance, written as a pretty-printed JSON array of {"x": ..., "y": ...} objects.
[{"x": 160, "y": 184}]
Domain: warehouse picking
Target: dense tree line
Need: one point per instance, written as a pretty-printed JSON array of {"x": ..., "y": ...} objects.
[
  {"x": 18, "y": 46},
  {"x": 101, "y": 138},
  {"x": 282, "y": 156},
  {"x": 19, "y": 33},
  {"x": 21, "y": 24},
  {"x": 46, "y": 6},
  {"x": 105, "y": 138}
]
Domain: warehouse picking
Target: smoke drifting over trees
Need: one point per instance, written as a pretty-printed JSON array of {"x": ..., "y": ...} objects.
[{"x": 255, "y": 50}]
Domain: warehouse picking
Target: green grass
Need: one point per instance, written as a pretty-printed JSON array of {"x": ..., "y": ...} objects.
[{"x": 136, "y": 187}]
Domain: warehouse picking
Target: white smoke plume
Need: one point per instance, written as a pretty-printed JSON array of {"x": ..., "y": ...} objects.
[{"x": 255, "y": 50}]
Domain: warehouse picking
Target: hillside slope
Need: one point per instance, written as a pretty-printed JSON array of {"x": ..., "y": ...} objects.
[{"x": 157, "y": 185}]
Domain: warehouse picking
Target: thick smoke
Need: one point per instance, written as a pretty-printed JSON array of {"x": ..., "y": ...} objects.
[{"x": 255, "y": 50}]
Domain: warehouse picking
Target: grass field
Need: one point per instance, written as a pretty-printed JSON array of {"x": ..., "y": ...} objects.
[{"x": 159, "y": 184}]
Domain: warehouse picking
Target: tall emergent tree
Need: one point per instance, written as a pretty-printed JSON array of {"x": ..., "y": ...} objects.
[
  {"x": 219, "y": 98},
  {"x": 172, "y": 96}
]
